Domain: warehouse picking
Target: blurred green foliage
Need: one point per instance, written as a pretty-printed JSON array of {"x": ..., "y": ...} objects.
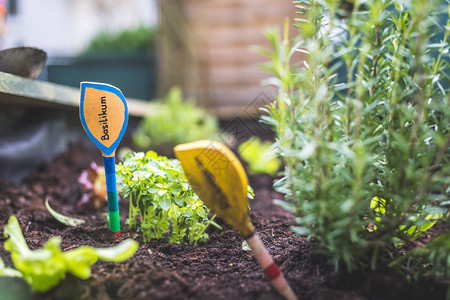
[
  {"x": 260, "y": 156},
  {"x": 177, "y": 121},
  {"x": 135, "y": 40}
]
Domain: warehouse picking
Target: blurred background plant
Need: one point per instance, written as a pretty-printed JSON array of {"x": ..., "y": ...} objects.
[
  {"x": 125, "y": 58},
  {"x": 365, "y": 115},
  {"x": 177, "y": 121},
  {"x": 260, "y": 156},
  {"x": 93, "y": 182},
  {"x": 134, "y": 40}
]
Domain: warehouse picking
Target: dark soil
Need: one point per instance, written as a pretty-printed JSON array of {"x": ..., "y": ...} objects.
[{"x": 218, "y": 269}]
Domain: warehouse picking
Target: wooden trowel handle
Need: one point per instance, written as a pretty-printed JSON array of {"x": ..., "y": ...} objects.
[{"x": 270, "y": 268}]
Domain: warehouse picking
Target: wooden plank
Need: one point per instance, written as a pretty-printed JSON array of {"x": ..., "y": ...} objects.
[
  {"x": 238, "y": 18},
  {"x": 232, "y": 54},
  {"x": 225, "y": 36},
  {"x": 223, "y": 10},
  {"x": 236, "y": 111},
  {"x": 15, "y": 90},
  {"x": 236, "y": 76},
  {"x": 241, "y": 96}
]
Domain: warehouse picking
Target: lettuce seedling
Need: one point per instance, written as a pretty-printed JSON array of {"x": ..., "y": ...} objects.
[
  {"x": 162, "y": 198},
  {"x": 43, "y": 268},
  {"x": 9, "y": 272},
  {"x": 260, "y": 156}
]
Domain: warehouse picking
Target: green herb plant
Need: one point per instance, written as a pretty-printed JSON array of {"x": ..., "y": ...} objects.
[
  {"x": 365, "y": 113},
  {"x": 260, "y": 156},
  {"x": 177, "y": 121},
  {"x": 161, "y": 199},
  {"x": 43, "y": 268}
]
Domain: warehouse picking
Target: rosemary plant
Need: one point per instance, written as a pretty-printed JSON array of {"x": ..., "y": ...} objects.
[{"x": 362, "y": 123}]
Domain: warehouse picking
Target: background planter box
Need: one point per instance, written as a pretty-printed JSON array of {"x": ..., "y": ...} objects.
[{"x": 134, "y": 74}]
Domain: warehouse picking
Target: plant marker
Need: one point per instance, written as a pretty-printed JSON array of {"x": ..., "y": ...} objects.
[
  {"x": 104, "y": 116},
  {"x": 219, "y": 179}
]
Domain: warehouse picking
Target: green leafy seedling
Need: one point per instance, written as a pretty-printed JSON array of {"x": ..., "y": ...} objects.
[
  {"x": 161, "y": 199},
  {"x": 43, "y": 268}
]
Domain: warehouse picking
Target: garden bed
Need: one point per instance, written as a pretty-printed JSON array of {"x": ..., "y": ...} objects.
[{"x": 217, "y": 269}]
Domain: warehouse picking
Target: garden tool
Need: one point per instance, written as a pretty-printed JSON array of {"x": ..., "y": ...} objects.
[
  {"x": 219, "y": 179},
  {"x": 104, "y": 116},
  {"x": 23, "y": 61}
]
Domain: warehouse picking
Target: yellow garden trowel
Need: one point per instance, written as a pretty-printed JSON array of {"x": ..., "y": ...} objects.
[{"x": 219, "y": 179}]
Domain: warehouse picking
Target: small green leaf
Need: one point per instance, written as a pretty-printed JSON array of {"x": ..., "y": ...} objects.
[
  {"x": 200, "y": 212},
  {"x": 16, "y": 241},
  {"x": 118, "y": 253},
  {"x": 246, "y": 247},
  {"x": 188, "y": 212},
  {"x": 285, "y": 205},
  {"x": 153, "y": 190},
  {"x": 62, "y": 218},
  {"x": 162, "y": 192},
  {"x": 165, "y": 203},
  {"x": 300, "y": 230},
  {"x": 178, "y": 201}
]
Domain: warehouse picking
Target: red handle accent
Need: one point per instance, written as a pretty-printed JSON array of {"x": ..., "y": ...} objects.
[{"x": 272, "y": 271}]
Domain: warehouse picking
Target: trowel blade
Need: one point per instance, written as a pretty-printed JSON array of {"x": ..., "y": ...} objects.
[{"x": 23, "y": 61}]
